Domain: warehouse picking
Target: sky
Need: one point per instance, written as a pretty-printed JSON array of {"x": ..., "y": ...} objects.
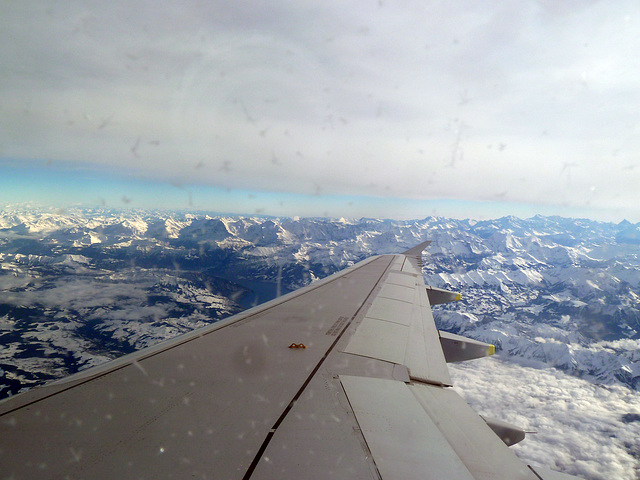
[{"x": 396, "y": 109}]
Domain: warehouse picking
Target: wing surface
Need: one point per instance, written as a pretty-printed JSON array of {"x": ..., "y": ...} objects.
[{"x": 345, "y": 378}]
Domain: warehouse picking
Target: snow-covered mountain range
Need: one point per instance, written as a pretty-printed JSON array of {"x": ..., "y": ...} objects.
[{"x": 82, "y": 286}]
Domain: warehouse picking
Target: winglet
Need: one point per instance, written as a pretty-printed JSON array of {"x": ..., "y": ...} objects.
[{"x": 417, "y": 250}]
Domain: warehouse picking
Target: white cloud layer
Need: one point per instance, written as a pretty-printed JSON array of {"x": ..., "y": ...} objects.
[
  {"x": 581, "y": 427},
  {"x": 530, "y": 102}
]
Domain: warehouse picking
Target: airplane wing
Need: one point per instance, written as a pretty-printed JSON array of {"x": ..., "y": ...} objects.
[{"x": 345, "y": 378}]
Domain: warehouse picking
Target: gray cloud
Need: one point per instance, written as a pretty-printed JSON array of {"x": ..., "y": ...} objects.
[{"x": 487, "y": 101}]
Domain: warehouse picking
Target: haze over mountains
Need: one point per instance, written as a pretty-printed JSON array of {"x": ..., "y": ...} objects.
[{"x": 82, "y": 286}]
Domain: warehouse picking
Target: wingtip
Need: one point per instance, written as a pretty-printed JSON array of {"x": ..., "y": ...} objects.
[{"x": 417, "y": 250}]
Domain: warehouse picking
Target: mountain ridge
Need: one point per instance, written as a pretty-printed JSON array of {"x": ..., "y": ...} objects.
[{"x": 548, "y": 289}]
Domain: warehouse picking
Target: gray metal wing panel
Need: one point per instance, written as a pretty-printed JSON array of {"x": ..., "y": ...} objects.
[
  {"x": 417, "y": 357},
  {"x": 401, "y": 278},
  {"x": 411, "y": 266},
  {"x": 398, "y": 327},
  {"x": 397, "y": 292},
  {"x": 199, "y": 406},
  {"x": 425, "y": 358},
  {"x": 381, "y": 340},
  {"x": 391, "y": 310},
  {"x": 319, "y": 438}
]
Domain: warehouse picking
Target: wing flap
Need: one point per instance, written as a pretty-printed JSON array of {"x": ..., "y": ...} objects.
[
  {"x": 429, "y": 433},
  {"x": 404, "y": 441}
]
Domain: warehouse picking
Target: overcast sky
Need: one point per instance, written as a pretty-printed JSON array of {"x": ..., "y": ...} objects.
[{"x": 379, "y": 108}]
